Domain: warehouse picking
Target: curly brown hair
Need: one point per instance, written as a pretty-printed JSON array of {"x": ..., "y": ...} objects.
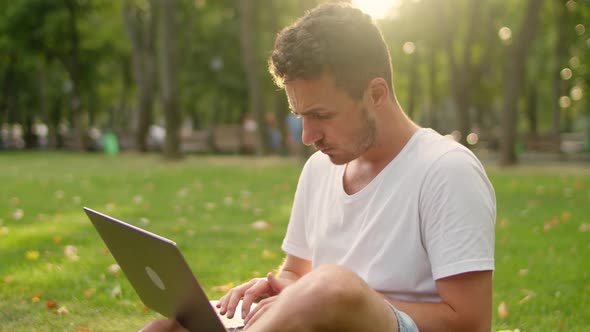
[{"x": 333, "y": 38}]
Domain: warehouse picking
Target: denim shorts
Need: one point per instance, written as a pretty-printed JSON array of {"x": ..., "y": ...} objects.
[{"x": 404, "y": 322}]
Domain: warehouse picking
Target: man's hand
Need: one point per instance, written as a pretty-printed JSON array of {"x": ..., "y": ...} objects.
[{"x": 250, "y": 292}]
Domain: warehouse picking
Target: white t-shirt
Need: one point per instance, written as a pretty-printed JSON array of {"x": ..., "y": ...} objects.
[{"x": 429, "y": 214}]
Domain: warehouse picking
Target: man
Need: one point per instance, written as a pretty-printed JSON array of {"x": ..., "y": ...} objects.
[{"x": 392, "y": 227}]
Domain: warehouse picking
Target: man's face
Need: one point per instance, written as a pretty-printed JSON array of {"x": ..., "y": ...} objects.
[{"x": 336, "y": 124}]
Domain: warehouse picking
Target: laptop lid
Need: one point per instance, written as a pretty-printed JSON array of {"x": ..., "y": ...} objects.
[{"x": 158, "y": 272}]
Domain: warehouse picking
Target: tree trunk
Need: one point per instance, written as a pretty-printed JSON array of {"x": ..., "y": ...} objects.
[
  {"x": 169, "y": 78},
  {"x": 141, "y": 36},
  {"x": 461, "y": 74},
  {"x": 514, "y": 79},
  {"x": 73, "y": 69},
  {"x": 559, "y": 85},
  {"x": 252, "y": 69},
  {"x": 533, "y": 122}
]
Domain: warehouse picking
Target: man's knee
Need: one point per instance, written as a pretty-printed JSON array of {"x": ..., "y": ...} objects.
[{"x": 332, "y": 286}]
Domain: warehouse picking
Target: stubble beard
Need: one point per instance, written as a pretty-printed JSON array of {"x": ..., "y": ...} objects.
[{"x": 366, "y": 140}]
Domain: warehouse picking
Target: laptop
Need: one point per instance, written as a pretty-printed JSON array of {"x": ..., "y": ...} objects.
[{"x": 160, "y": 275}]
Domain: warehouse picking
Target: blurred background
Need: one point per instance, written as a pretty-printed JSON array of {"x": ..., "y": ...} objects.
[{"x": 507, "y": 78}]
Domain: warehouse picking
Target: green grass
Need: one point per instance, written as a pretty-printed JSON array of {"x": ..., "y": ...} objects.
[{"x": 207, "y": 205}]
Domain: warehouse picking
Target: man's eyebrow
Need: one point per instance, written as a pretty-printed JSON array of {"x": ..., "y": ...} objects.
[{"x": 308, "y": 111}]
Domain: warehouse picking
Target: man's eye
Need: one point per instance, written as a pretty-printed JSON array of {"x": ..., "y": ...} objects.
[{"x": 321, "y": 116}]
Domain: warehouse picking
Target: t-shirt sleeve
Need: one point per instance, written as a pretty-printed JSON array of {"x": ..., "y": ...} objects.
[
  {"x": 295, "y": 241},
  {"x": 458, "y": 215}
]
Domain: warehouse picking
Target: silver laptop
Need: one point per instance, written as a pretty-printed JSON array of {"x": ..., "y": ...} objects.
[{"x": 160, "y": 275}]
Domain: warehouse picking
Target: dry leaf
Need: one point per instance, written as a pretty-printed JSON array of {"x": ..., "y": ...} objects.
[
  {"x": 261, "y": 225},
  {"x": 18, "y": 214},
  {"x": 502, "y": 311},
  {"x": 116, "y": 291},
  {"x": 267, "y": 254},
  {"x": 71, "y": 253},
  {"x": 565, "y": 216},
  {"x": 523, "y": 272},
  {"x": 62, "y": 311},
  {"x": 584, "y": 228},
  {"x": 57, "y": 239},
  {"x": 8, "y": 279},
  {"x": 223, "y": 288},
  {"x": 527, "y": 298},
  {"x": 114, "y": 269},
  {"x": 35, "y": 299},
  {"x": 51, "y": 304},
  {"x": 137, "y": 199},
  {"x": 89, "y": 292}
]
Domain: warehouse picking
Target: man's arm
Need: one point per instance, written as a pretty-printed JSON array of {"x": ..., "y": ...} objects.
[
  {"x": 466, "y": 304},
  {"x": 294, "y": 268}
]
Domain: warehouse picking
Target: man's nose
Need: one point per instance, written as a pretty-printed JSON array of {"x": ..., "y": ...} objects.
[{"x": 310, "y": 134}]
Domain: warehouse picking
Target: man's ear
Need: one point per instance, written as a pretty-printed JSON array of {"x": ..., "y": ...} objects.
[{"x": 378, "y": 91}]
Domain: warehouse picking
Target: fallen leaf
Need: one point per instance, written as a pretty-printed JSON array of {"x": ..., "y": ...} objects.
[
  {"x": 71, "y": 253},
  {"x": 32, "y": 255},
  {"x": 210, "y": 205},
  {"x": 18, "y": 214},
  {"x": 8, "y": 279},
  {"x": 565, "y": 216},
  {"x": 116, "y": 291},
  {"x": 62, "y": 311},
  {"x": 527, "y": 298},
  {"x": 228, "y": 200},
  {"x": 503, "y": 223},
  {"x": 261, "y": 225},
  {"x": 502, "y": 311},
  {"x": 137, "y": 199},
  {"x": 223, "y": 288},
  {"x": 114, "y": 269},
  {"x": 51, "y": 304},
  {"x": 35, "y": 299},
  {"x": 145, "y": 308},
  {"x": 584, "y": 228},
  {"x": 57, "y": 239},
  {"x": 3, "y": 230},
  {"x": 89, "y": 292},
  {"x": 76, "y": 199},
  {"x": 523, "y": 272},
  {"x": 267, "y": 254}
]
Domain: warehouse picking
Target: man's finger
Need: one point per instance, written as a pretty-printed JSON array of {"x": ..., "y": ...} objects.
[
  {"x": 257, "y": 291},
  {"x": 257, "y": 312}
]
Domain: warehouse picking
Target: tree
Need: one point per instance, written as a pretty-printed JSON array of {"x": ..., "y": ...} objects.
[
  {"x": 140, "y": 26},
  {"x": 169, "y": 77},
  {"x": 514, "y": 80},
  {"x": 252, "y": 69}
]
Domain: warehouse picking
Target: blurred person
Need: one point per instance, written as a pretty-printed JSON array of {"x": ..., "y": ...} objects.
[
  {"x": 392, "y": 225},
  {"x": 294, "y": 127}
]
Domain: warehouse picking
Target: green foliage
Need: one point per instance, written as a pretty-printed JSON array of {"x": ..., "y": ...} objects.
[{"x": 208, "y": 205}]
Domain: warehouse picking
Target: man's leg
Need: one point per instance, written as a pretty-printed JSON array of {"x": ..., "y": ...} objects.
[{"x": 330, "y": 298}]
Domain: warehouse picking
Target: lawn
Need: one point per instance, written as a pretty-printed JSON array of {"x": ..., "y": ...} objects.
[{"x": 228, "y": 216}]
